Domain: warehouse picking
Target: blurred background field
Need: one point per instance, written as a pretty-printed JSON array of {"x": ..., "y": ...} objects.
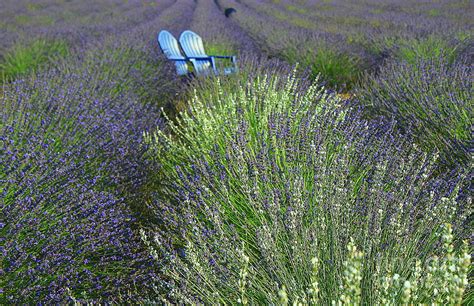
[{"x": 122, "y": 182}]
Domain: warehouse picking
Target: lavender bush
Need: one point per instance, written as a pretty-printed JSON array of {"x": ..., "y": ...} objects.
[
  {"x": 433, "y": 97},
  {"x": 268, "y": 185}
]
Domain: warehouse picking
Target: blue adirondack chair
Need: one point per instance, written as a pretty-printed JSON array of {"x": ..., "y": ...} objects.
[
  {"x": 169, "y": 46},
  {"x": 192, "y": 45}
]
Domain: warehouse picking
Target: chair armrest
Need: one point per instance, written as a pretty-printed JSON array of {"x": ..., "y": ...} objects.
[
  {"x": 223, "y": 56},
  {"x": 232, "y": 58},
  {"x": 202, "y": 58},
  {"x": 176, "y": 58},
  {"x": 211, "y": 60}
]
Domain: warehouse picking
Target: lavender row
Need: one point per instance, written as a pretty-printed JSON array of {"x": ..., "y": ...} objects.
[{"x": 71, "y": 156}]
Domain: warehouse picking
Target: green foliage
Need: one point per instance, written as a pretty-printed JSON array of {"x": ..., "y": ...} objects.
[
  {"x": 294, "y": 8},
  {"x": 338, "y": 69},
  {"x": 22, "y": 19},
  {"x": 434, "y": 13},
  {"x": 38, "y": 20},
  {"x": 220, "y": 49},
  {"x": 32, "y": 7},
  {"x": 25, "y": 58},
  {"x": 431, "y": 47}
]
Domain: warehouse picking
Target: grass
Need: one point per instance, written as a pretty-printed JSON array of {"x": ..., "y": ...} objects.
[
  {"x": 431, "y": 47},
  {"x": 32, "y": 7},
  {"x": 219, "y": 49},
  {"x": 213, "y": 47},
  {"x": 434, "y": 13},
  {"x": 24, "y": 58},
  {"x": 339, "y": 70},
  {"x": 39, "y": 20}
]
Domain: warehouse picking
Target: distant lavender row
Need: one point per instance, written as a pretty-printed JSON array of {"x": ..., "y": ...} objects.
[
  {"x": 330, "y": 36},
  {"x": 291, "y": 30},
  {"x": 78, "y": 22},
  {"x": 405, "y": 17},
  {"x": 220, "y": 34}
]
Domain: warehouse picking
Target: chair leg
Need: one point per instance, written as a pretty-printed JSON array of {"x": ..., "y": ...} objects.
[
  {"x": 213, "y": 64},
  {"x": 234, "y": 62}
]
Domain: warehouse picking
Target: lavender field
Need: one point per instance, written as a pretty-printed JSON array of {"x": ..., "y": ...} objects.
[{"x": 333, "y": 168}]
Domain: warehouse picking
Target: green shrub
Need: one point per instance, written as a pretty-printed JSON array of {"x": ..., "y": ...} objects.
[
  {"x": 338, "y": 69},
  {"x": 434, "y": 13}
]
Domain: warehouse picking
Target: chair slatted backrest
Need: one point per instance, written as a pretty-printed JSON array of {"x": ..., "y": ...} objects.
[
  {"x": 169, "y": 46},
  {"x": 193, "y": 48}
]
